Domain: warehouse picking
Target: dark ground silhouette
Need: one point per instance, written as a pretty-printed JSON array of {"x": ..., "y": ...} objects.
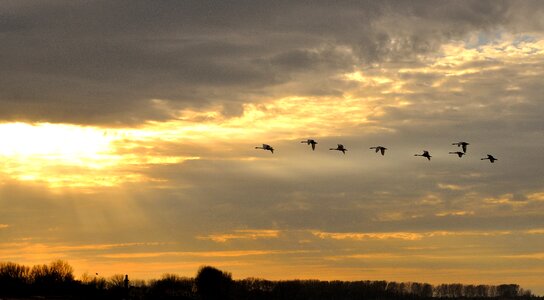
[{"x": 56, "y": 281}]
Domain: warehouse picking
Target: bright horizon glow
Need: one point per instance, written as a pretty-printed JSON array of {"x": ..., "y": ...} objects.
[
  {"x": 70, "y": 144},
  {"x": 65, "y": 155}
]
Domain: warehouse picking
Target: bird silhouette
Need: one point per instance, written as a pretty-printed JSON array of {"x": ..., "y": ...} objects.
[
  {"x": 266, "y": 147},
  {"x": 463, "y": 145},
  {"x": 459, "y": 153},
  {"x": 310, "y": 142},
  {"x": 491, "y": 158},
  {"x": 340, "y": 148},
  {"x": 379, "y": 148},
  {"x": 425, "y": 154}
]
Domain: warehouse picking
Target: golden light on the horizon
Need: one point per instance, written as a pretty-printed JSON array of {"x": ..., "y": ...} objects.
[
  {"x": 62, "y": 155},
  {"x": 58, "y": 154},
  {"x": 69, "y": 144}
]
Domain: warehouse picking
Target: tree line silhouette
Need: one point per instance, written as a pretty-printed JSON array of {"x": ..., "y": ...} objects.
[{"x": 56, "y": 280}]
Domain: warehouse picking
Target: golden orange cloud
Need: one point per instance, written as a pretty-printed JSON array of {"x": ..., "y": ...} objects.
[{"x": 245, "y": 234}]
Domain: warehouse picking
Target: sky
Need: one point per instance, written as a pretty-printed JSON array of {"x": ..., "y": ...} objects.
[{"x": 128, "y": 133}]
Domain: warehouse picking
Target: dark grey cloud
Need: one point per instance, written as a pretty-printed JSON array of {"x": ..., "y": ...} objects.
[{"x": 102, "y": 62}]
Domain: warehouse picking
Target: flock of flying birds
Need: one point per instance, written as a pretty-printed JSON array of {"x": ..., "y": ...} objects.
[{"x": 382, "y": 149}]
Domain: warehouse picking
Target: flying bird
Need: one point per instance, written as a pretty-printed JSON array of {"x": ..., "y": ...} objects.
[
  {"x": 340, "y": 148},
  {"x": 459, "y": 153},
  {"x": 310, "y": 142},
  {"x": 463, "y": 145},
  {"x": 491, "y": 158},
  {"x": 379, "y": 148},
  {"x": 425, "y": 154},
  {"x": 266, "y": 147}
]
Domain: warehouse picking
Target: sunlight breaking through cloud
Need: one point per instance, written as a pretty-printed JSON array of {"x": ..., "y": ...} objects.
[
  {"x": 80, "y": 156},
  {"x": 144, "y": 162},
  {"x": 63, "y": 155}
]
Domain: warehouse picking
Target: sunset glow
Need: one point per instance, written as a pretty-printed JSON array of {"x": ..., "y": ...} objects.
[{"x": 128, "y": 146}]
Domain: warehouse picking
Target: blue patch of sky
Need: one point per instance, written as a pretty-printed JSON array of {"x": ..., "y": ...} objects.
[
  {"x": 524, "y": 38},
  {"x": 482, "y": 38}
]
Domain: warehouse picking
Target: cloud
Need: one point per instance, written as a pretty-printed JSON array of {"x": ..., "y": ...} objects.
[
  {"x": 537, "y": 256},
  {"x": 175, "y": 96},
  {"x": 104, "y": 62},
  {"x": 408, "y": 236},
  {"x": 454, "y": 213},
  {"x": 201, "y": 254},
  {"x": 242, "y": 234},
  {"x": 29, "y": 249},
  {"x": 362, "y": 236}
]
